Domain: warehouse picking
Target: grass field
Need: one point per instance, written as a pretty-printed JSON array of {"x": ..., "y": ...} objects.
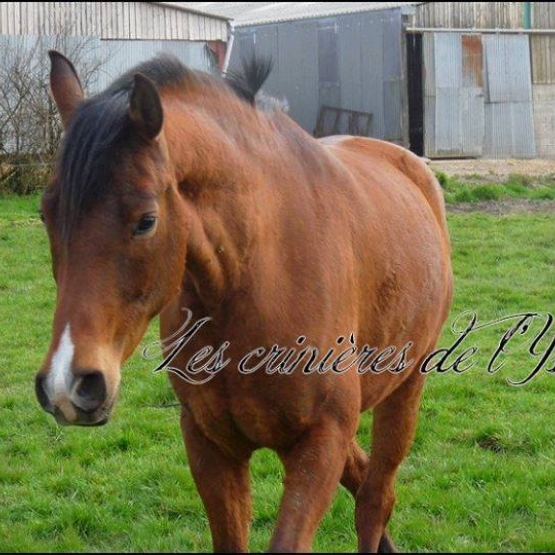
[
  {"x": 515, "y": 186},
  {"x": 480, "y": 476}
]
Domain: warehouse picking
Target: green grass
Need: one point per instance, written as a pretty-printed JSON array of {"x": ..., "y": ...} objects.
[
  {"x": 515, "y": 186},
  {"x": 479, "y": 477}
]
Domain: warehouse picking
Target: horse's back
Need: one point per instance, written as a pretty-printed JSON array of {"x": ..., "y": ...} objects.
[{"x": 382, "y": 157}]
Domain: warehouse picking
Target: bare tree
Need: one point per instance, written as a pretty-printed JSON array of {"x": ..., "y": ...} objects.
[{"x": 30, "y": 129}]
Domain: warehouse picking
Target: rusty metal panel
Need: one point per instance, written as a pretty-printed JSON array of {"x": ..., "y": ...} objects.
[
  {"x": 454, "y": 104},
  {"x": 472, "y": 56}
]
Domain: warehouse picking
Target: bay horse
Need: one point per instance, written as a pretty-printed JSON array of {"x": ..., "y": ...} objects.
[{"x": 173, "y": 191}]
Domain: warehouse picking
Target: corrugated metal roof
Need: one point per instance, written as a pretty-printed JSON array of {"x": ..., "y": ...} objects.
[{"x": 259, "y": 13}]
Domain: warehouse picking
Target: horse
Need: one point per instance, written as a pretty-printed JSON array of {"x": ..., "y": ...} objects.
[{"x": 172, "y": 191}]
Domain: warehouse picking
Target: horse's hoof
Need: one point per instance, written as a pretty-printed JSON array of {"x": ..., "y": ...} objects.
[{"x": 387, "y": 545}]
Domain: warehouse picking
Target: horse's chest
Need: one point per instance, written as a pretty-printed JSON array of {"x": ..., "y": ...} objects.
[{"x": 235, "y": 412}]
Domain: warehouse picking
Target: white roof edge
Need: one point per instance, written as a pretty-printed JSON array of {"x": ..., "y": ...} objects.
[
  {"x": 406, "y": 8},
  {"x": 175, "y": 6}
]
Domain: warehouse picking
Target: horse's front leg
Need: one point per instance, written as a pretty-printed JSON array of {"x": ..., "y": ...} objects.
[
  {"x": 224, "y": 486},
  {"x": 313, "y": 468}
]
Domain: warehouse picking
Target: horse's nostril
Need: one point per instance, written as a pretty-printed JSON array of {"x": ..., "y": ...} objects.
[
  {"x": 40, "y": 390},
  {"x": 90, "y": 391}
]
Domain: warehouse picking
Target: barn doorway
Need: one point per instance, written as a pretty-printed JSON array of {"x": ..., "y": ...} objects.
[{"x": 415, "y": 92}]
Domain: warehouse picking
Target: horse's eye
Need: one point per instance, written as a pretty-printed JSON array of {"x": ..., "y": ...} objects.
[{"x": 145, "y": 225}]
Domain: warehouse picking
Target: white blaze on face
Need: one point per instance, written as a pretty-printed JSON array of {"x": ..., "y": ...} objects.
[{"x": 59, "y": 379}]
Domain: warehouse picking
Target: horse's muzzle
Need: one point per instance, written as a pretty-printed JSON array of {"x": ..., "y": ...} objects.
[{"x": 85, "y": 406}]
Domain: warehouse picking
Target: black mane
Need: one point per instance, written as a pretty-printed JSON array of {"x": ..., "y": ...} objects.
[
  {"x": 247, "y": 82},
  {"x": 101, "y": 126}
]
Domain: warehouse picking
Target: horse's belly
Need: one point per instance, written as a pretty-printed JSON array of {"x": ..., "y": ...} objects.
[{"x": 268, "y": 410}]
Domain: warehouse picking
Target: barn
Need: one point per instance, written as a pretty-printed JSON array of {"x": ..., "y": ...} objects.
[
  {"x": 126, "y": 32},
  {"x": 103, "y": 39},
  {"x": 447, "y": 79}
]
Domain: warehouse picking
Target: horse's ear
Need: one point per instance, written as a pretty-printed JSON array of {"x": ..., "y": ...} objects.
[
  {"x": 145, "y": 107},
  {"x": 65, "y": 86}
]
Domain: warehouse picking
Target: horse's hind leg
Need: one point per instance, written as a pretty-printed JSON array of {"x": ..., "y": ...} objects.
[
  {"x": 354, "y": 475},
  {"x": 393, "y": 431}
]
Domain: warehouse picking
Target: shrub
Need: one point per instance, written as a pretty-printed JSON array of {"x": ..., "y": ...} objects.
[
  {"x": 23, "y": 176},
  {"x": 488, "y": 192}
]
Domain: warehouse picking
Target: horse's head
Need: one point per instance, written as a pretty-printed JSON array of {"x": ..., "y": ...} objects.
[{"x": 118, "y": 237}]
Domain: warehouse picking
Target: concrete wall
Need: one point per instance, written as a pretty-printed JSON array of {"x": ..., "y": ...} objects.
[
  {"x": 543, "y": 88},
  {"x": 544, "y": 119}
]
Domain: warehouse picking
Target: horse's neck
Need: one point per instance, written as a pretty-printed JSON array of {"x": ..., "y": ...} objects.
[
  {"x": 231, "y": 172},
  {"x": 218, "y": 184}
]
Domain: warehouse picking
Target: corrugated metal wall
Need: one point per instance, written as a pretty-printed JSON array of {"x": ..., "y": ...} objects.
[
  {"x": 478, "y": 96},
  {"x": 109, "y": 20},
  {"x": 370, "y": 70},
  {"x": 454, "y": 97},
  {"x": 121, "y": 55},
  {"x": 509, "y": 112},
  {"x": 509, "y": 121}
]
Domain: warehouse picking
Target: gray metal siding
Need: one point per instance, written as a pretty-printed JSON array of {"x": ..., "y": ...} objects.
[
  {"x": 298, "y": 60},
  {"x": 109, "y": 20},
  {"x": 509, "y": 112},
  {"x": 371, "y": 74},
  {"x": 122, "y": 55},
  {"x": 393, "y": 76}
]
